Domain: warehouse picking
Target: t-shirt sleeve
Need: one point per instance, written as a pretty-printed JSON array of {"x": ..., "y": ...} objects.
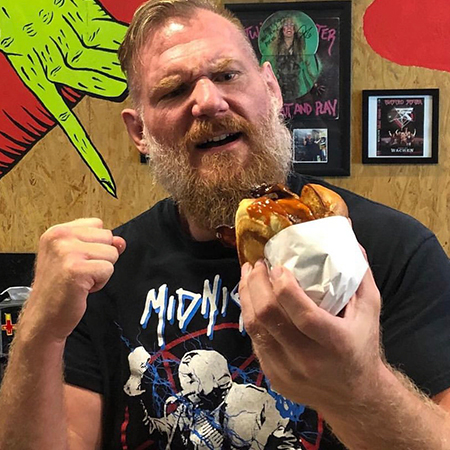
[{"x": 416, "y": 317}]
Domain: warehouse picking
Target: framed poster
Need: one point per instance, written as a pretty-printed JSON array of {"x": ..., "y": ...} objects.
[
  {"x": 400, "y": 126},
  {"x": 309, "y": 47}
]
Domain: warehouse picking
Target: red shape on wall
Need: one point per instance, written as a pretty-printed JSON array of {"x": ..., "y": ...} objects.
[
  {"x": 23, "y": 119},
  {"x": 410, "y": 32},
  {"x": 120, "y": 10}
]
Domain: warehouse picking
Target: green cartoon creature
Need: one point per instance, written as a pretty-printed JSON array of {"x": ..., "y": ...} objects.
[{"x": 74, "y": 43}]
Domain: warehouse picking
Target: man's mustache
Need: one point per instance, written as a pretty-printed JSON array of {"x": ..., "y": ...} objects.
[{"x": 202, "y": 130}]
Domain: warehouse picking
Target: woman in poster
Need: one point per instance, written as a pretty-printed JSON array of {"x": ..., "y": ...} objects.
[{"x": 289, "y": 41}]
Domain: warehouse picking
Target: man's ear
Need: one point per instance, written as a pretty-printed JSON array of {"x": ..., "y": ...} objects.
[
  {"x": 135, "y": 128},
  {"x": 272, "y": 82}
]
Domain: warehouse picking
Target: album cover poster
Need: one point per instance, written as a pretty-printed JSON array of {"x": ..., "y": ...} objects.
[
  {"x": 304, "y": 51},
  {"x": 308, "y": 47},
  {"x": 400, "y": 126}
]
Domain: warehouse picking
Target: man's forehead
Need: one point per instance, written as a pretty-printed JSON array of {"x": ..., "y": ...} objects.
[
  {"x": 202, "y": 25},
  {"x": 185, "y": 49}
]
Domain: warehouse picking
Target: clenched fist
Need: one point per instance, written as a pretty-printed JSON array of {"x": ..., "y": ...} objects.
[{"x": 74, "y": 259}]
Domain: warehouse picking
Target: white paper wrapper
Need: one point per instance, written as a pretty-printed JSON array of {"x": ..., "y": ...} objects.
[{"x": 324, "y": 257}]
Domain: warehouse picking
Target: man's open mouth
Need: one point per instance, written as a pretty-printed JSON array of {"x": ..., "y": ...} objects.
[{"x": 217, "y": 141}]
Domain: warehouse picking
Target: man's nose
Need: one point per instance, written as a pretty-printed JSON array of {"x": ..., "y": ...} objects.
[{"x": 208, "y": 100}]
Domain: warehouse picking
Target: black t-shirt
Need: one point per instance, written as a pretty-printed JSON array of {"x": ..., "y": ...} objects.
[{"x": 164, "y": 342}]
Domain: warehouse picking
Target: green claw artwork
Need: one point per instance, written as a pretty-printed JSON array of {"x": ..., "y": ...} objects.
[{"x": 74, "y": 43}]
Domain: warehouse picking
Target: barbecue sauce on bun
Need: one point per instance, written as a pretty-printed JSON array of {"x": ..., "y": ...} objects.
[{"x": 275, "y": 208}]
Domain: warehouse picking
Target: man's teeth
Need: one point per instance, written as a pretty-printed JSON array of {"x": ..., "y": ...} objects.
[{"x": 218, "y": 138}]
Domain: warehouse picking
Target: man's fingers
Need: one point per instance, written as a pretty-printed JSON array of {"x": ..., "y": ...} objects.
[
  {"x": 120, "y": 244},
  {"x": 366, "y": 301},
  {"x": 265, "y": 347},
  {"x": 98, "y": 271},
  {"x": 363, "y": 251},
  {"x": 93, "y": 222},
  {"x": 100, "y": 252},
  {"x": 248, "y": 313},
  {"x": 250, "y": 297},
  {"x": 310, "y": 320},
  {"x": 254, "y": 287},
  {"x": 367, "y": 285},
  {"x": 80, "y": 232},
  {"x": 100, "y": 242},
  {"x": 268, "y": 316}
]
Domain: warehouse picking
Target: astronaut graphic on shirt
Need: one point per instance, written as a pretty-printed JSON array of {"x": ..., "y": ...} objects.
[{"x": 212, "y": 411}]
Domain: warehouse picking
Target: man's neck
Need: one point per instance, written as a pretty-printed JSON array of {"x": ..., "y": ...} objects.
[
  {"x": 201, "y": 234},
  {"x": 197, "y": 232}
]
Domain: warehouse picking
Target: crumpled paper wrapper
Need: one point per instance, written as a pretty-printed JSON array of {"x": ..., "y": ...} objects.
[{"x": 324, "y": 257}]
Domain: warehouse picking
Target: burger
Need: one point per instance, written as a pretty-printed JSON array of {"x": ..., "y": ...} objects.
[{"x": 274, "y": 208}]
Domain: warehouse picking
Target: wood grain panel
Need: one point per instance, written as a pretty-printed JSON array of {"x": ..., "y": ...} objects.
[{"x": 53, "y": 185}]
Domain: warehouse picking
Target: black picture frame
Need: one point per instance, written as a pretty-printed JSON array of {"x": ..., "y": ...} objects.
[
  {"x": 400, "y": 126},
  {"x": 319, "y": 103}
]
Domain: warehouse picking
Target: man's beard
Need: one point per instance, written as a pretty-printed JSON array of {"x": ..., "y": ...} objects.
[{"x": 210, "y": 196}]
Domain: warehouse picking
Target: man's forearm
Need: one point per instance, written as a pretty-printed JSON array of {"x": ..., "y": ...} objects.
[
  {"x": 393, "y": 414},
  {"x": 32, "y": 392},
  {"x": 74, "y": 259}
]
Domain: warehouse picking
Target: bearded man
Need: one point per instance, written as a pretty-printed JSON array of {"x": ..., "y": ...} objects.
[{"x": 207, "y": 115}]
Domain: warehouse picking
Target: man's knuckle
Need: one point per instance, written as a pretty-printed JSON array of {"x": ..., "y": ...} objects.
[
  {"x": 265, "y": 312},
  {"x": 108, "y": 268},
  {"x": 285, "y": 287},
  {"x": 306, "y": 320},
  {"x": 251, "y": 325},
  {"x": 55, "y": 233},
  {"x": 71, "y": 266},
  {"x": 109, "y": 236}
]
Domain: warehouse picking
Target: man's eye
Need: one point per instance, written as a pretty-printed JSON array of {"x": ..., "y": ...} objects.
[
  {"x": 226, "y": 76},
  {"x": 174, "y": 93}
]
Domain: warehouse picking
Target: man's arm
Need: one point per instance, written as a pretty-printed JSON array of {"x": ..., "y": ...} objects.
[
  {"x": 73, "y": 260},
  {"x": 33, "y": 395},
  {"x": 392, "y": 415},
  {"x": 84, "y": 411},
  {"x": 335, "y": 364}
]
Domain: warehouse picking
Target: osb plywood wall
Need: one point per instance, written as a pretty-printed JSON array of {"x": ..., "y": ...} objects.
[{"x": 51, "y": 183}]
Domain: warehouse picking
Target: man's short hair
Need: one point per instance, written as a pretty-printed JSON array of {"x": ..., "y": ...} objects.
[{"x": 153, "y": 14}]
